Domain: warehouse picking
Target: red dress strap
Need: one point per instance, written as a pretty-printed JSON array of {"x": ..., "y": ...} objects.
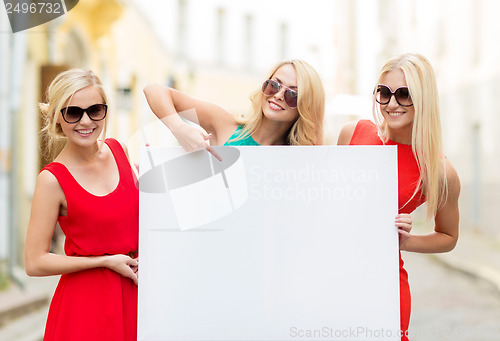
[
  {"x": 365, "y": 133},
  {"x": 126, "y": 172}
]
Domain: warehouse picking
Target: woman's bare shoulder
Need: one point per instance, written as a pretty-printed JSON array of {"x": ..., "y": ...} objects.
[{"x": 346, "y": 133}]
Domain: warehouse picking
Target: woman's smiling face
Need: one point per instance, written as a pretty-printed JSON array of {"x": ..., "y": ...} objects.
[
  {"x": 399, "y": 118},
  {"x": 85, "y": 131},
  {"x": 274, "y": 107}
]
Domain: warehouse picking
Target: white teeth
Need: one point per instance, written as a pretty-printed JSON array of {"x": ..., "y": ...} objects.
[
  {"x": 87, "y": 131},
  {"x": 275, "y": 106},
  {"x": 396, "y": 114}
]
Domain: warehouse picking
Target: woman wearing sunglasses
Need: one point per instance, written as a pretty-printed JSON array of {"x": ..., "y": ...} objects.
[
  {"x": 287, "y": 110},
  {"x": 406, "y": 113},
  {"x": 90, "y": 190}
]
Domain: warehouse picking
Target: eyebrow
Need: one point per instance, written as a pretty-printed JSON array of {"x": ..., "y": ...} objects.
[{"x": 279, "y": 81}]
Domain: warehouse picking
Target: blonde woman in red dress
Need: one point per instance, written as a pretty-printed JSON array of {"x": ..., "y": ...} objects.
[
  {"x": 406, "y": 114},
  {"x": 90, "y": 190}
]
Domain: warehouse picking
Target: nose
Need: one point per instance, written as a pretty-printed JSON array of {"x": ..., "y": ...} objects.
[
  {"x": 281, "y": 93},
  {"x": 85, "y": 118},
  {"x": 392, "y": 101}
]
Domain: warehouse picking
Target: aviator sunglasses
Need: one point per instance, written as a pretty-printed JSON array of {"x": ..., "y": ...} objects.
[
  {"x": 383, "y": 95},
  {"x": 270, "y": 88},
  {"x": 96, "y": 112}
]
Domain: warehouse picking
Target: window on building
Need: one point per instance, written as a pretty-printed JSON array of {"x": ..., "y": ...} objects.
[
  {"x": 220, "y": 36},
  {"x": 248, "y": 41},
  {"x": 182, "y": 29},
  {"x": 283, "y": 40}
]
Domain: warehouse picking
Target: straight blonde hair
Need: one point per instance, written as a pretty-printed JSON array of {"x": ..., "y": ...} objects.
[
  {"x": 59, "y": 94},
  {"x": 308, "y": 128},
  {"x": 426, "y": 131}
]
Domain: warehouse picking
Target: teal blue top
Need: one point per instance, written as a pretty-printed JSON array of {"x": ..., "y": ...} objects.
[{"x": 234, "y": 140}]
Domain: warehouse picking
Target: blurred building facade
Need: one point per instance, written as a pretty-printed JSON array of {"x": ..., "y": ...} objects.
[
  {"x": 112, "y": 38},
  {"x": 223, "y": 49},
  {"x": 220, "y": 51}
]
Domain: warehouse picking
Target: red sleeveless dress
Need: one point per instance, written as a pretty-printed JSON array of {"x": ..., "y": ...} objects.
[
  {"x": 408, "y": 176},
  {"x": 96, "y": 304}
]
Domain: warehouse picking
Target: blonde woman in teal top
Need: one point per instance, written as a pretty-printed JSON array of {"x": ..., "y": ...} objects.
[{"x": 287, "y": 110}]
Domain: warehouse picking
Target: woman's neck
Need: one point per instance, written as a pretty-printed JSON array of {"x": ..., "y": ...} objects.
[
  {"x": 271, "y": 133},
  {"x": 80, "y": 155},
  {"x": 401, "y": 136}
]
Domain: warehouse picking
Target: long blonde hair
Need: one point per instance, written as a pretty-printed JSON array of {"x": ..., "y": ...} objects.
[
  {"x": 426, "y": 131},
  {"x": 59, "y": 94},
  {"x": 308, "y": 128}
]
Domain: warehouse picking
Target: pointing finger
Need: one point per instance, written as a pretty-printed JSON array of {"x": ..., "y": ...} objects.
[{"x": 214, "y": 153}]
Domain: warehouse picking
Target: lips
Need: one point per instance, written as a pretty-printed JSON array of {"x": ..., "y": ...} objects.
[
  {"x": 275, "y": 106},
  {"x": 85, "y": 132},
  {"x": 395, "y": 114}
]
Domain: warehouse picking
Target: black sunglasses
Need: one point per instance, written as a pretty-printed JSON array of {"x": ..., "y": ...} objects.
[
  {"x": 383, "y": 95},
  {"x": 96, "y": 112},
  {"x": 271, "y": 87}
]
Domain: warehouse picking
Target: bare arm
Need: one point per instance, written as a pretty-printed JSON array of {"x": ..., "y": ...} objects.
[
  {"x": 167, "y": 104},
  {"x": 445, "y": 234},
  {"x": 47, "y": 201}
]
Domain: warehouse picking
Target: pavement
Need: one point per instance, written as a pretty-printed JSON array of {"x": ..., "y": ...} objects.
[
  {"x": 23, "y": 311},
  {"x": 475, "y": 255},
  {"x": 23, "y": 308}
]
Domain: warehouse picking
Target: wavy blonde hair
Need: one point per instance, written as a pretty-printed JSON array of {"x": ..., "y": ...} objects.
[
  {"x": 426, "y": 131},
  {"x": 308, "y": 128},
  {"x": 59, "y": 94}
]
